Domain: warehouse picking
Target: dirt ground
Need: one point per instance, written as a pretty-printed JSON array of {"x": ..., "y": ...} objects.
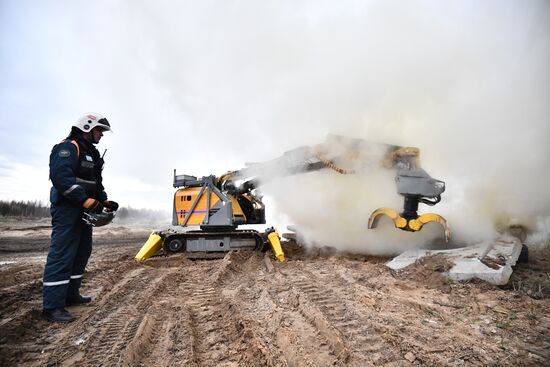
[{"x": 318, "y": 308}]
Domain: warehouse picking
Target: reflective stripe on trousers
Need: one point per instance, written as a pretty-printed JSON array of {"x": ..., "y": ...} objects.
[{"x": 51, "y": 284}]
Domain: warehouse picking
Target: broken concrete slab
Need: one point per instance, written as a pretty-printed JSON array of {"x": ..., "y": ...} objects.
[{"x": 489, "y": 261}]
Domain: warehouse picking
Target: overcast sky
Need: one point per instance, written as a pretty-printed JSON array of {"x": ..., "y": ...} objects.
[{"x": 204, "y": 86}]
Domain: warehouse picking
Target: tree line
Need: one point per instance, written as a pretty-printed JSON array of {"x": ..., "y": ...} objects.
[{"x": 24, "y": 209}]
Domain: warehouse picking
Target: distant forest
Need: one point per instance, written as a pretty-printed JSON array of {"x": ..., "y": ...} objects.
[
  {"x": 24, "y": 209},
  {"x": 36, "y": 209}
]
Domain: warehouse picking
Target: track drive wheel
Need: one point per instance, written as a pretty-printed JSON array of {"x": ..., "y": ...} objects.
[{"x": 174, "y": 245}]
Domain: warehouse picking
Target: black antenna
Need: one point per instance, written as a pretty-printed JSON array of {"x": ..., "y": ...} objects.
[{"x": 103, "y": 160}]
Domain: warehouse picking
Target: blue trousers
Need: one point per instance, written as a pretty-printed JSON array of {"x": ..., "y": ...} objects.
[{"x": 70, "y": 249}]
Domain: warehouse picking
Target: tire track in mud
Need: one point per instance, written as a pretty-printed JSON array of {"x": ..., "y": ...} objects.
[
  {"x": 273, "y": 316},
  {"x": 244, "y": 288},
  {"x": 380, "y": 336},
  {"x": 302, "y": 336},
  {"x": 349, "y": 330},
  {"x": 25, "y": 323},
  {"x": 18, "y": 283},
  {"x": 383, "y": 311},
  {"x": 164, "y": 317},
  {"x": 20, "y": 296},
  {"x": 429, "y": 341},
  {"x": 22, "y": 339},
  {"x": 541, "y": 352},
  {"x": 14, "y": 276},
  {"x": 98, "y": 336},
  {"x": 10, "y": 310},
  {"x": 217, "y": 330},
  {"x": 146, "y": 338},
  {"x": 195, "y": 325}
]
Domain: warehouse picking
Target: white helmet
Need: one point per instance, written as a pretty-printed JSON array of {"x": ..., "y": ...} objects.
[{"x": 90, "y": 120}]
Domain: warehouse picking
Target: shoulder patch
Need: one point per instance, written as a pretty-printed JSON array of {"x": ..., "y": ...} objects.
[{"x": 64, "y": 153}]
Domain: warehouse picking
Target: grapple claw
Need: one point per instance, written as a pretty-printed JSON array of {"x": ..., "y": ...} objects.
[
  {"x": 418, "y": 223},
  {"x": 412, "y": 225},
  {"x": 398, "y": 220}
]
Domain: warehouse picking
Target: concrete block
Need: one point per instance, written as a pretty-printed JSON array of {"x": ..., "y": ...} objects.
[{"x": 491, "y": 261}]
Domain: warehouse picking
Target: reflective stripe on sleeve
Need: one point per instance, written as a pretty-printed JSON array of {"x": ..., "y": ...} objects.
[
  {"x": 49, "y": 284},
  {"x": 81, "y": 180},
  {"x": 70, "y": 189},
  {"x": 76, "y": 276}
]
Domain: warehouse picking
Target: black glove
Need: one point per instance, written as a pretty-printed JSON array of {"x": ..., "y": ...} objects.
[
  {"x": 112, "y": 205},
  {"x": 92, "y": 205}
]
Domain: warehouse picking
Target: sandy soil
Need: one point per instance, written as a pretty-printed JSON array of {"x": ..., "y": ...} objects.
[{"x": 316, "y": 309}]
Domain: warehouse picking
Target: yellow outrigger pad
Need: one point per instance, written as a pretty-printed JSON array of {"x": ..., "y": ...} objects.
[
  {"x": 273, "y": 239},
  {"x": 151, "y": 247}
]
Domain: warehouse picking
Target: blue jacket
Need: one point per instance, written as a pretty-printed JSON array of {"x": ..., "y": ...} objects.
[{"x": 75, "y": 172}]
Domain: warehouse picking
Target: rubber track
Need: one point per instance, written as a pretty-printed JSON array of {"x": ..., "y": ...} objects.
[{"x": 233, "y": 234}]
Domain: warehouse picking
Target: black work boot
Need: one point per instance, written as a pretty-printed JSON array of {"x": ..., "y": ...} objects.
[
  {"x": 75, "y": 301},
  {"x": 57, "y": 315}
]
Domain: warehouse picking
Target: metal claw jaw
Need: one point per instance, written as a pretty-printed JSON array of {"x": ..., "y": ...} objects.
[
  {"x": 412, "y": 225},
  {"x": 418, "y": 223},
  {"x": 398, "y": 220}
]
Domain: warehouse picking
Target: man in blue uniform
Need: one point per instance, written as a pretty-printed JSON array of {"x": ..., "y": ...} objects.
[{"x": 75, "y": 172}]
